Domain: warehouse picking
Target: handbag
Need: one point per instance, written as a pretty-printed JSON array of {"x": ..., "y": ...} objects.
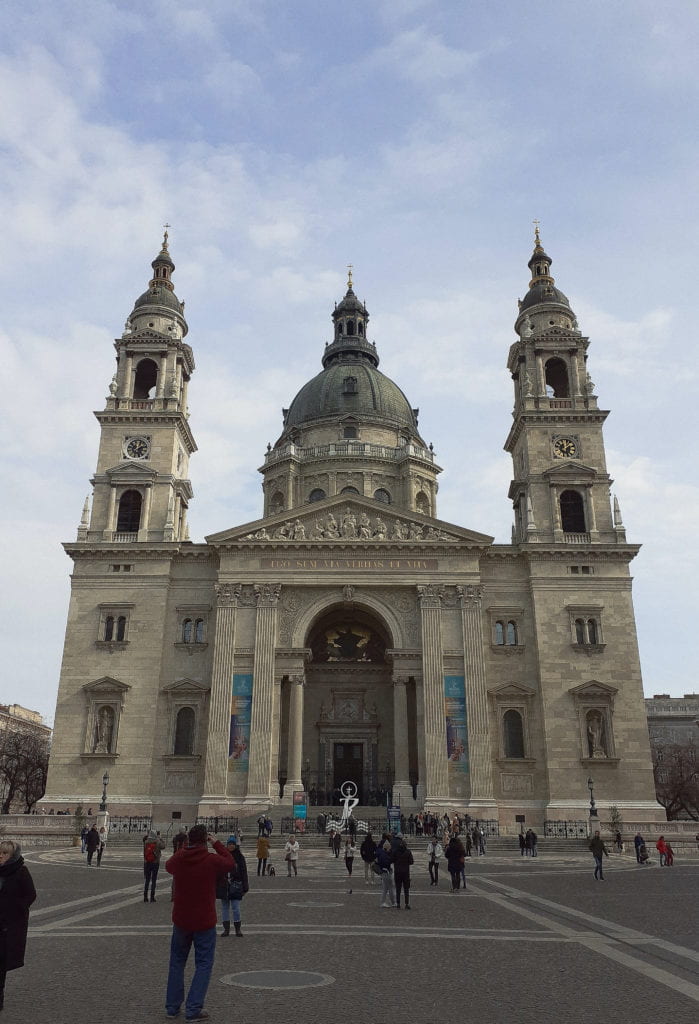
[
  {"x": 375, "y": 868},
  {"x": 288, "y": 857},
  {"x": 235, "y": 889}
]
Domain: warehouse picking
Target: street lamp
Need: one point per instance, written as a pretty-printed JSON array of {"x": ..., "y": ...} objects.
[
  {"x": 105, "y": 783},
  {"x": 593, "y": 806}
]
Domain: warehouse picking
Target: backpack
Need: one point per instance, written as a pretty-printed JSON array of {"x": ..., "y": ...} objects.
[{"x": 149, "y": 853}]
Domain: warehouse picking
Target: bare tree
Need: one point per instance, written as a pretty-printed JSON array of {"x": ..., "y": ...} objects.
[
  {"x": 23, "y": 768},
  {"x": 676, "y": 773}
]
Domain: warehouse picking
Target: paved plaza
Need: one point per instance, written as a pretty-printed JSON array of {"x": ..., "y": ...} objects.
[{"x": 531, "y": 940}]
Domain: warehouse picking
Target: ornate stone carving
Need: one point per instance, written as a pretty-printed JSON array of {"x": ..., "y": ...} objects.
[
  {"x": 267, "y": 594},
  {"x": 348, "y": 594},
  {"x": 430, "y": 595},
  {"x": 470, "y": 594},
  {"x": 227, "y": 594},
  {"x": 353, "y": 525}
]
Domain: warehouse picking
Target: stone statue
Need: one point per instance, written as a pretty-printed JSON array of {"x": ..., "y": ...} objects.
[
  {"x": 595, "y": 734},
  {"x": 398, "y": 531},
  {"x": 331, "y": 529},
  {"x": 104, "y": 730},
  {"x": 528, "y": 386},
  {"x": 364, "y": 526},
  {"x": 318, "y": 529},
  {"x": 113, "y": 386},
  {"x": 172, "y": 389},
  {"x": 589, "y": 384},
  {"x": 379, "y": 529},
  {"x": 349, "y": 525},
  {"x": 299, "y": 530}
]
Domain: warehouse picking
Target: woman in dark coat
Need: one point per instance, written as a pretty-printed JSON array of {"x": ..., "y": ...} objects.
[
  {"x": 455, "y": 855},
  {"x": 402, "y": 859},
  {"x": 17, "y": 893},
  {"x": 231, "y": 887}
]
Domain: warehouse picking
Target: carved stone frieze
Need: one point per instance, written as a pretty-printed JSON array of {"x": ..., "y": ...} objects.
[
  {"x": 267, "y": 594},
  {"x": 351, "y": 524},
  {"x": 430, "y": 595},
  {"x": 227, "y": 594},
  {"x": 470, "y": 594}
]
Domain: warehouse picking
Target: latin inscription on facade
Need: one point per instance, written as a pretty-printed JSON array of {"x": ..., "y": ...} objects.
[{"x": 334, "y": 564}]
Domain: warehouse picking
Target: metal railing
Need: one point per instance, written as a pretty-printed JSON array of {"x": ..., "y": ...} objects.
[
  {"x": 322, "y": 790},
  {"x": 216, "y": 824},
  {"x": 122, "y": 825},
  {"x": 566, "y": 829}
]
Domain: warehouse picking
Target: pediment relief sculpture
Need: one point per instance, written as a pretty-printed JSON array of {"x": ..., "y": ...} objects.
[{"x": 351, "y": 524}]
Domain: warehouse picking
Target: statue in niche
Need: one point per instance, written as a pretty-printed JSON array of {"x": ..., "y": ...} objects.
[
  {"x": 113, "y": 386},
  {"x": 379, "y": 529},
  {"x": 528, "y": 386},
  {"x": 104, "y": 730},
  {"x": 595, "y": 735}
]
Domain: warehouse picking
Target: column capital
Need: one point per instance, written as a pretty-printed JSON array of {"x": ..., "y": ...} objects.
[
  {"x": 297, "y": 680},
  {"x": 430, "y": 595},
  {"x": 267, "y": 594},
  {"x": 470, "y": 595},
  {"x": 401, "y": 680},
  {"x": 227, "y": 594}
]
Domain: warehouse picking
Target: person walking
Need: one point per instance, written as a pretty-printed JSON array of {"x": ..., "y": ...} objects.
[
  {"x": 291, "y": 855},
  {"x": 598, "y": 850},
  {"x": 367, "y": 852},
  {"x": 669, "y": 855},
  {"x": 179, "y": 839},
  {"x": 456, "y": 856},
  {"x": 261, "y": 825},
  {"x": 262, "y": 854},
  {"x": 402, "y": 859},
  {"x": 384, "y": 859},
  {"x": 434, "y": 855},
  {"x": 522, "y": 844},
  {"x": 92, "y": 843},
  {"x": 195, "y": 872},
  {"x": 534, "y": 840},
  {"x": 103, "y": 836},
  {"x": 153, "y": 847},
  {"x": 350, "y": 851},
  {"x": 83, "y": 838},
  {"x": 231, "y": 887},
  {"x": 337, "y": 843},
  {"x": 638, "y": 842},
  {"x": 17, "y": 893},
  {"x": 661, "y": 848}
]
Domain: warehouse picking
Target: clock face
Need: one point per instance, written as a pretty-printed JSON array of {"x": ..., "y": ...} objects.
[
  {"x": 565, "y": 448},
  {"x": 137, "y": 448}
]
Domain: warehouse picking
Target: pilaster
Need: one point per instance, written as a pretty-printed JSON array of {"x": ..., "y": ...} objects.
[
  {"x": 263, "y": 688},
  {"x": 480, "y": 758},
  {"x": 216, "y": 767},
  {"x": 436, "y": 767},
  {"x": 293, "y": 780}
]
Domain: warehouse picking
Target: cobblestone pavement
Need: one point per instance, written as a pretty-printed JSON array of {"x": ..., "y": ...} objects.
[{"x": 531, "y": 940}]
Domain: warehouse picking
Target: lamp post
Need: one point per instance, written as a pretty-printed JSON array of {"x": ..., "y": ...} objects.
[
  {"x": 105, "y": 783},
  {"x": 594, "y": 819}
]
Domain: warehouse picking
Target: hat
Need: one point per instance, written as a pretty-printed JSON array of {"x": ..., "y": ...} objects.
[{"x": 232, "y": 839}]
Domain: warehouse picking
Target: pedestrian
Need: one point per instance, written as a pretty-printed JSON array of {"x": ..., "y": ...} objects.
[
  {"x": 469, "y": 844},
  {"x": 402, "y": 859},
  {"x": 195, "y": 871},
  {"x": 231, "y": 887},
  {"x": 104, "y": 835},
  {"x": 619, "y": 842},
  {"x": 337, "y": 843},
  {"x": 435, "y": 853},
  {"x": 598, "y": 849},
  {"x": 153, "y": 847},
  {"x": 17, "y": 893},
  {"x": 268, "y": 827},
  {"x": 661, "y": 848},
  {"x": 350, "y": 851},
  {"x": 291, "y": 855},
  {"x": 481, "y": 843},
  {"x": 638, "y": 842},
  {"x": 92, "y": 843},
  {"x": 262, "y": 854},
  {"x": 179, "y": 839},
  {"x": 669, "y": 855},
  {"x": 522, "y": 844},
  {"x": 320, "y": 824},
  {"x": 455, "y": 854},
  {"x": 384, "y": 860},
  {"x": 261, "y": 824},
  {"x": 534, "y": 840},
  {"x": 367, "y": 852},
  {"x": 83, "y": 838}
]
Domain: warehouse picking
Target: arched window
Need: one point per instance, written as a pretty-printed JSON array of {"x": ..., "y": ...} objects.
[
  {"x": 382, "y": 495},
  {"x": 129, "y": 516},
  {"x": 339, "y": 328},
  {"x": 109, "y": 628},
  {"x": 199, "y": 631},
  {"x": 184, "y": 732},
  {"x": 317, "y": 494},
  {"x": 512, "y": 634},
  {"x": 422, "y": 503},
  {"x": 557, "y": 378},
  {"x": 277, "y": 502},
  {"x": 579, "y": 631},
  {"x": 349, "y": 490},
  {"x": 499, "y": 633},
  {"x": 592, "y": 632},
  {"x": 187, "y": 631},
  {"x": 513, "y": 737},
  {"x": 121, "y": 628},
  {"x": 572, "y": 512},
  {"x": 360, "y": 329},
  {"x": 350, "y": 327},
  {"x": 146, "y": 379}
]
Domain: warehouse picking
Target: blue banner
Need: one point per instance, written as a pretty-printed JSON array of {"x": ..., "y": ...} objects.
[
  {"x": 241, "y": 716},
  {"x": 457, "y": 732}
]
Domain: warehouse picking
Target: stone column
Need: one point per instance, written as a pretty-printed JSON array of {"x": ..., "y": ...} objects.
[
  {"x": 263, "y": 691},
  {"x": 402, "y": 790},
  {"x": 480, "y": 763},
  {"x": 295, "y": 753},
  {"x": 125, "y": 390},
  {"x": 436, "y": 766},
  {"x": 216, "y": 767},
  {"x": 540, "y": 376},
  {"x": 110, "y": 525}
]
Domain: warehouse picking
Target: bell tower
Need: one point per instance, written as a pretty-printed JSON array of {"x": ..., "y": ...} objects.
[
  {"x": 560, "y": 487},
  {"x": 141, "y": 486}
]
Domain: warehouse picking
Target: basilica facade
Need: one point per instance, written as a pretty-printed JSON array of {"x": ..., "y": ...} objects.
[{"x": 350, "y": 634}]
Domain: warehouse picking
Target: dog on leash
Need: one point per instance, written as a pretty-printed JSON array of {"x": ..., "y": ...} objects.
[{"x": 270, "y": 870}]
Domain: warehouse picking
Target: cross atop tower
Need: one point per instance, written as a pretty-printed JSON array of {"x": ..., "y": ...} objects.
[{"x": 349, "y": 277}]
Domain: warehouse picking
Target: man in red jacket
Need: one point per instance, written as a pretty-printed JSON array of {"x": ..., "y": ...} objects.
[{"x": 195, "y": 871}]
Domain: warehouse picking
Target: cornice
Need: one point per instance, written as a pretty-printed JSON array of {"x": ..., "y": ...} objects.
[{"x": 160, "y": 417}]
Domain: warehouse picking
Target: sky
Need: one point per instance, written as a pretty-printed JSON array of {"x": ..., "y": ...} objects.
[{"x": 415, "y": 139}]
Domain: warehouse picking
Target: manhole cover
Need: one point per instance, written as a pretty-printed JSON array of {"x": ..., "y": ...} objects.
[
  {"x": 278, "y": 979},
  {"x": 311, "y": 904}
]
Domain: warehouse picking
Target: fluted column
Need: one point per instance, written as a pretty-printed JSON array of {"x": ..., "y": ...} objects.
[
  {"x": 293, "y": 771},
  {"x": 261, "y": 726},
  {"x": 400, "y": 731},
  {"x": 480, "y": 763},
  {"x": 216, "y": 767},
  {"x": 437, "y": 778}
]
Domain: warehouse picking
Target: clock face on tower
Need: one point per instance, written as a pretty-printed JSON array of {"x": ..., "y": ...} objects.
[
  {"x": 137, "y": 448},
  {"x": 565, "y": 448}
]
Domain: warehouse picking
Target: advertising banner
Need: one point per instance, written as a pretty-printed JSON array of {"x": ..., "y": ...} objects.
[
  {"x": 457, "y": 733},
  {"x": 299, "y": 804},
  {"x": 241, "y": 715}
]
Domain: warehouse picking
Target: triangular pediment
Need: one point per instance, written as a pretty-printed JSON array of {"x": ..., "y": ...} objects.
[
  {"x": 106, "y": 685},
  {"x": 343, "y": 519},
  {"x": 131, "y": 472},
  {"x": 146, "y": 335},
  {"x": 568, "y": 470},
  {"x": 185, "y": 686},
  {"x": 511, "y": 691},
  {"x": 593, "y": 689}
]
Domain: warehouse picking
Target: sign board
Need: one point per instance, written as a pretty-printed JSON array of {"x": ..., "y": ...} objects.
[
  {"x": 299, "y": 804},
  {"x": 393, "y": 815}
]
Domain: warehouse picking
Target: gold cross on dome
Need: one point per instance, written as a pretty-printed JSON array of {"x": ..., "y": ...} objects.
[
  {"x": 165, "y": 237},
  {"x": 536, "y": 231},
  {"x": 349, "y": 277}
]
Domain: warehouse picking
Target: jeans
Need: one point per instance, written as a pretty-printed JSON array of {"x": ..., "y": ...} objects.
[
  {"x": 226, "y": 910},
  {"x": 204, "y": 949},
  {"x": 598, "y": 866},
  {"x": 433, "y": 867},
  {"x": 455, "y": 878},
  {"x": 289, "y": 865},
  {"x": 150, "y": 874},
  {"x": 261, "y": 865},
  {"x": 99, "y": 854},
  {"x": 388, "y": 892},
  {"x": 404, "y": 884}
]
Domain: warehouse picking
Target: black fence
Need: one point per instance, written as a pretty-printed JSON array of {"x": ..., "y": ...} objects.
[
  {"x": 124, "y": 826},
  {"x": 323, "y": 788},
  {"x": 216, "y": 825},
  {"x": 322, "y": 825},
  {"x": 566, "y": 829}
]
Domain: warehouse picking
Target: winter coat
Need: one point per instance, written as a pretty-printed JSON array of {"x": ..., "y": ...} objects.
[
  {"x": 93, "y": 840},
  {"x": 384, "y": 858},
  {"x": 434, "y": 851},
  {"x": 455, "y": 855},
  {"x": 368, "y": 850},
  {"x": 195, "y": 871},
  {"x": 16, "y": 896},
  {"x": 159, "y": 844},
  {"x": 402, "y": 859},
  {"x": 262, "y": 848},
  {"x": 597, "y": 847},
  {"x": 239, "y": 873},
  {"x": 291, "y": 851}
]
